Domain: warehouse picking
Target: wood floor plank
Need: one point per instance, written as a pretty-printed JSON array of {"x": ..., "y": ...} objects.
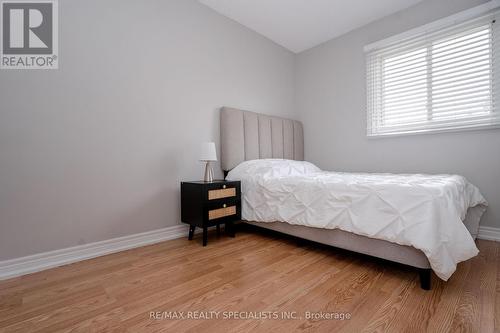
[
  {"x": 383, "y": 315},
  {"x": 497, "y": 294},
  {"x": 278, "y": 294},
  {"x": 253, "y": 273},
  {"x": 442, "y": 318},
  {"x": 468, "y": 314},
  {"x": 250, "y": 296}
]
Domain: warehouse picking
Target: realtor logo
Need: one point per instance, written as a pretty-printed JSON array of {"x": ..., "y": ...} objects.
[{"x": 29, "y": 35}]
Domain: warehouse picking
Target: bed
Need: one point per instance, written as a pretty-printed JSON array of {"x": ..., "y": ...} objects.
[{"x": 425, "y": 221}]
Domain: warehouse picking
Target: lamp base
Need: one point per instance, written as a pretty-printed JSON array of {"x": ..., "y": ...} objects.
[{"x": 209, "y": 173}]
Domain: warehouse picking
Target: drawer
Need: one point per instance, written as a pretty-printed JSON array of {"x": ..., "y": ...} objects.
[
  {"x": 218, "y": 213},
  {"x": 222, "y": 193}
]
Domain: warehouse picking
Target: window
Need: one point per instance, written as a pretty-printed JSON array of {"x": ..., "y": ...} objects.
[{"x": 435, "y": 81}]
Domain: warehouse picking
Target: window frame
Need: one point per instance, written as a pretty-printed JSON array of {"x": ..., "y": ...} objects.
[{"x": 432, "y": 35}]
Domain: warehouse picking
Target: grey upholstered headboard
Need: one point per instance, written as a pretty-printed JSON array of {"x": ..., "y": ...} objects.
[{"x": 248, "y": 135}]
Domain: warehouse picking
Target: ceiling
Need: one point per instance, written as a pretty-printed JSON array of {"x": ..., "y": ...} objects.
[{"x": 301, "y": 24}]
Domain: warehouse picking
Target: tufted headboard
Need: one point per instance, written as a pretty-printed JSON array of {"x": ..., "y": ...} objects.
[{"x": 248, "y": 135}]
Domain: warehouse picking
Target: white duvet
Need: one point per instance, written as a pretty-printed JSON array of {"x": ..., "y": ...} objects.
[{"x": 423, "y": 211}]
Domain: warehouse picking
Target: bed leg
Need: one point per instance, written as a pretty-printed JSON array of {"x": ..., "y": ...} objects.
[{"x": 425, "y": 278}]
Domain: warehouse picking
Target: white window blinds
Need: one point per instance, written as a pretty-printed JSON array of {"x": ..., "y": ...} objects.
[{"x": 435, "y": 81}]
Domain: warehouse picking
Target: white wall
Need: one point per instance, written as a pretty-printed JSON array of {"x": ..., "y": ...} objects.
[
  {"x": 331, "y": 101},
  {"x": 97, "y": 149}
]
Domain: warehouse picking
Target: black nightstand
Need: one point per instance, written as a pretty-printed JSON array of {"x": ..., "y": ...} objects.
[{"x": 206, "y": 204}]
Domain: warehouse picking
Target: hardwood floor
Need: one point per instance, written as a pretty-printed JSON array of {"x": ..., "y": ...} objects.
[{"x": 259, "y": 272}]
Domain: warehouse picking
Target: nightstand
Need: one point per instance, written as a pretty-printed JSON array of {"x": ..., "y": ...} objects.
[{"x": 206, "y": 204}]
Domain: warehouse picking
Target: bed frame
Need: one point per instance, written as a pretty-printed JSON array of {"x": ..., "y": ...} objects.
[{"x": 247, "y": 135}]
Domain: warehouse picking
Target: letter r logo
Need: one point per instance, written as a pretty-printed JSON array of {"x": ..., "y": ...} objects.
[{"x": 27, "y": 27}]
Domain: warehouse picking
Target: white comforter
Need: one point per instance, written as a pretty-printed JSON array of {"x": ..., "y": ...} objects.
[{"x": 423, "y": 211}]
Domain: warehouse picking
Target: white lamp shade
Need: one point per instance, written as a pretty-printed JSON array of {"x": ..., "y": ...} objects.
[{"x": 208, "y": 152}]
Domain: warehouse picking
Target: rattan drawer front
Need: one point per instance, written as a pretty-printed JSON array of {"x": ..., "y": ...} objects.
[
  {"x": 221, "y": 212},
  {"x": 223, "y": 193}
]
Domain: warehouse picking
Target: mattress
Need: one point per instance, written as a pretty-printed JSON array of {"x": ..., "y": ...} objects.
[{"x": 422, "y": 211}]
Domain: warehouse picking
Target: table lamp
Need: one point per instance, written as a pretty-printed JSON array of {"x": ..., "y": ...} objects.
[{"x": 208, "y": 154}]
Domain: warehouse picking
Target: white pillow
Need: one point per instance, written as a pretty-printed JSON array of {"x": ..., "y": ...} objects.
[{"x": 273, "y": 168}]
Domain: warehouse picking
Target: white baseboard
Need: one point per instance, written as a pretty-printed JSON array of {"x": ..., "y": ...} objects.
[
  {"x": 38, "y": 262},
  {"x": 489, "y": 233}
]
